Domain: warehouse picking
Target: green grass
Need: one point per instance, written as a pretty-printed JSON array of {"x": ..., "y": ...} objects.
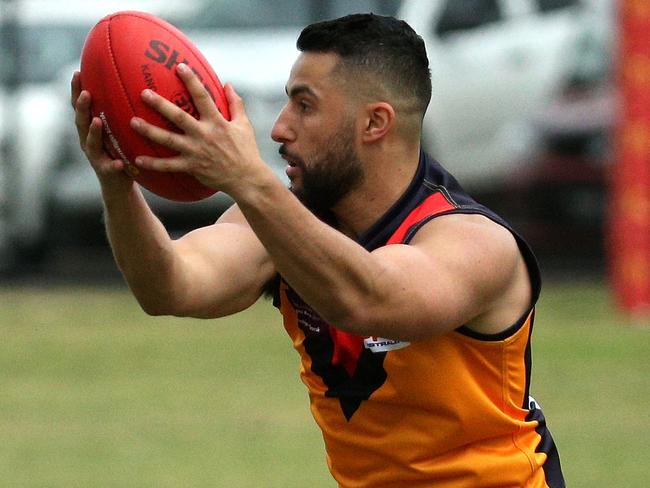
[
  {"x": 95, "y": 393},
  {"x": 592, "y": 377}
]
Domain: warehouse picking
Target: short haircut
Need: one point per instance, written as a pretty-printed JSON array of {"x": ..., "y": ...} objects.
[{"x": 385, "y": 54}]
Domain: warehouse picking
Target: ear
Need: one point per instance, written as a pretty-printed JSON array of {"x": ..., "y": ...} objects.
[{"x": 378, "y": 121}]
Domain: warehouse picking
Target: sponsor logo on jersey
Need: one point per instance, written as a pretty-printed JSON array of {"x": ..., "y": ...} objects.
[{"x": 380, "y": 344}]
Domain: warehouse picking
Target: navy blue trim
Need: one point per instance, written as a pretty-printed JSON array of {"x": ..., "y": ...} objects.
[
  {"x": 500, "y": 336},
  {"x": 528, "y": 362},
  {"x": 430, "y": 177},
  {"x": 552, "y": 467},
  {"x": 382, "y": 230}
]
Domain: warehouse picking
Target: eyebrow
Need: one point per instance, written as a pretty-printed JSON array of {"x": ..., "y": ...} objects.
[{"x": 297, "y": 90}]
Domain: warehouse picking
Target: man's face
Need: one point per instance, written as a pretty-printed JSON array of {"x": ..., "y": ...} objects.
[{"x": 317, "y": 130}]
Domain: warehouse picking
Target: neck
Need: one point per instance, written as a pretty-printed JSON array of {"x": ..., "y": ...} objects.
[{"x": 387, "y": 176}]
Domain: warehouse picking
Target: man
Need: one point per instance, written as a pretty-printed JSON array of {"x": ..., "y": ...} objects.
[{"x": 411, "y": 305}]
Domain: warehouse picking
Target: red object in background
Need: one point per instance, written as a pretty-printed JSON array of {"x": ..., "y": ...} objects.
[
  {"x": 629, "y": 225},
  {"x": 125, "y": 53}
]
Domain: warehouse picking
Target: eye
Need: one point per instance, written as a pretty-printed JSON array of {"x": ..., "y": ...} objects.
[{"x": 304, "y": 106}]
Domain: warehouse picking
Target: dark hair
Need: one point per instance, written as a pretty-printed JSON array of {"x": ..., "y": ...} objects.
[{"x": 385, "y": 48}]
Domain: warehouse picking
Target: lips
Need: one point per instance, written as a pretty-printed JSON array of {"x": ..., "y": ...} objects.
[
  {"x": 291, "y": 161},
  {"x": 292, "y": 170},
  {"x": 294, "y": 163},
  {"x": 288, "y": 157}
]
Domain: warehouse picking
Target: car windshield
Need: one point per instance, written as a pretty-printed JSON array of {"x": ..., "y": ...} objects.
[{"x": 43, "y": 49}]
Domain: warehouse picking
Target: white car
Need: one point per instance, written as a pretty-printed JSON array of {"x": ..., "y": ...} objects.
[{"x": 495, "y": 66}]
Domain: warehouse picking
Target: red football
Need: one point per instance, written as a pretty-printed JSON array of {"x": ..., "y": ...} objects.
[{"x": 125, "y": 53}]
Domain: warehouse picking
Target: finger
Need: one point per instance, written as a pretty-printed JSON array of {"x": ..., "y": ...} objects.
[
  {"x": 82, "y": 117},
  {"x": 95, "y": 152},
  {"x": 94, "y": 139},
  {"x": 200, "y": 96},
  {"x": 235, "y": 102},
  {"x": 75, "y": 88},
  {"x": 169, "y": 110},
  {"x": 167, "y": 138},
  {"x": 165, "y": 165}
]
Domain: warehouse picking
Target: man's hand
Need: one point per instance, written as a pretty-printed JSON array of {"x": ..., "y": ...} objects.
[
  {"x": 221, "y": 154},
  {"x": 89, "y": 129}
]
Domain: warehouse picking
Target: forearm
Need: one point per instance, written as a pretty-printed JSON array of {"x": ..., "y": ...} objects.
[
  {"x": 327, "y": 269},
  {"x": 141, "y": 246}
]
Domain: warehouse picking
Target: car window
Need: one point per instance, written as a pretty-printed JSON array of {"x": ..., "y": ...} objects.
[
  {"x": 550, "y": 5},
  {"x": 468, "y": 14}
]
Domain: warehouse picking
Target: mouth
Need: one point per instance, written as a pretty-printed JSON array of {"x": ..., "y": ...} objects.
[
  {"x": 292, "y": 161},
  {"x": 294, "y": 165}
]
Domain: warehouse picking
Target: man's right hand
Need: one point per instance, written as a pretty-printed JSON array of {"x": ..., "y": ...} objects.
[{"x": 109, "y": 171}]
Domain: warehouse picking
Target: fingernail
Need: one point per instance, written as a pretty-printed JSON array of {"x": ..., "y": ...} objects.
[
  {"x": 183, "y": 68},
  {"x": 136, "y": 122},
  {"x": 147, "y": 94}
]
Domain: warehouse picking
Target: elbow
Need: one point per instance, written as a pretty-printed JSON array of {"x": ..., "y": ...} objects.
[
  {"x": 157, "y": 306},
  {"x": 354, "y": 318},
  {"x": 155, "y": 309},
  {"x": 379, "y": 319}
]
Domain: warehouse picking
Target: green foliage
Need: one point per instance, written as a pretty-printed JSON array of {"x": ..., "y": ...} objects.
[{"x": 96, "y": 393}]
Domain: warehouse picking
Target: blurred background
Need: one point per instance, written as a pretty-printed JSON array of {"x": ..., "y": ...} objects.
[
  {"x": 521, "y": 112},
  {"x": 527, "y": 110}
]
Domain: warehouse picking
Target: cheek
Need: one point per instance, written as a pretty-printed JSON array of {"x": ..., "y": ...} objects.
[{"x": 319, "y": 135}]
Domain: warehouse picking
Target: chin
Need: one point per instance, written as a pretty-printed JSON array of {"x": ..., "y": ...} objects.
[{"x": 295, "y": 186}]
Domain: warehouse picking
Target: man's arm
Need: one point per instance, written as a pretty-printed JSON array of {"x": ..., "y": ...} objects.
[
  {"x": 210, "y": 272},
  {"x": 456, "y": 271},
  {"x": 213, "y": 271}
]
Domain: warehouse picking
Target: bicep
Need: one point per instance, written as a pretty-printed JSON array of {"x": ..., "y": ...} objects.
[
  {"x": 451, "y": 273},
  {"x": 226, "y": 267}
]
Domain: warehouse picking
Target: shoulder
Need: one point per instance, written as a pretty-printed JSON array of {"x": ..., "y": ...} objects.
[
  {"x": 485, "y": 257},
  {"x": 466, "y": 235}
]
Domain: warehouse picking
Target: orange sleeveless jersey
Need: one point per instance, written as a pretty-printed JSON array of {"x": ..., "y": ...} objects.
[{"x": 452, "y": 411}]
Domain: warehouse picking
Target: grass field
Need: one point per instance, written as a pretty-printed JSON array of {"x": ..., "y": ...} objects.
[{"x": 96, "y": 394}]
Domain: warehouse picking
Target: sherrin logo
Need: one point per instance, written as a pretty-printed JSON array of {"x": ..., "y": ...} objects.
[{"x": 380, "y": 344}]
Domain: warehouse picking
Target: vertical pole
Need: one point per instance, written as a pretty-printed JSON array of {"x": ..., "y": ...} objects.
[{"x": 630, "y": 196}]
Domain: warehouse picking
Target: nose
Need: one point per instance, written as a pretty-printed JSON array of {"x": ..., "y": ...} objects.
[{"x": 281, "y": 131}]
